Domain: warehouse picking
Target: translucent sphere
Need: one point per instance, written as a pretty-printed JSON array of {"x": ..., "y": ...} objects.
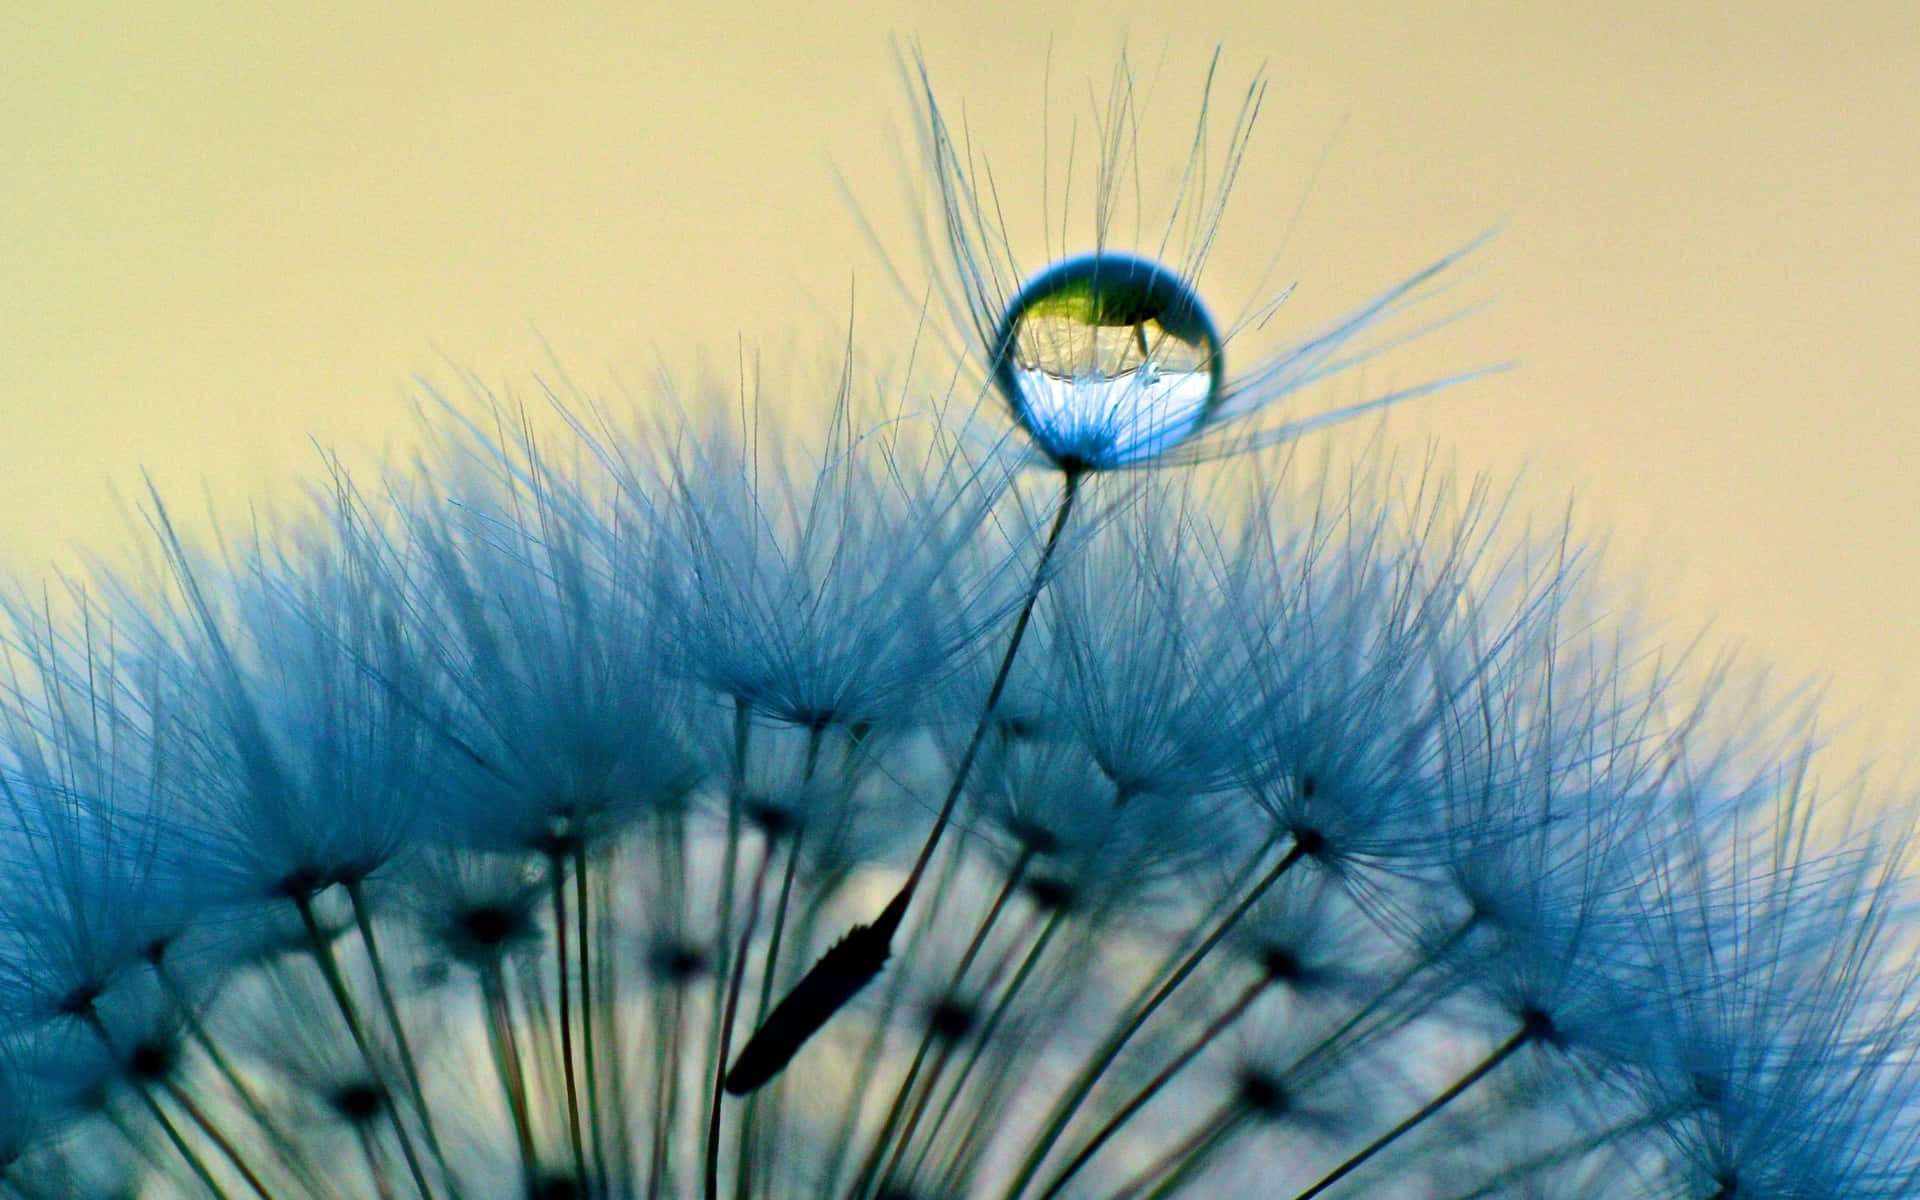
[{"x": 1107, "y": 360}]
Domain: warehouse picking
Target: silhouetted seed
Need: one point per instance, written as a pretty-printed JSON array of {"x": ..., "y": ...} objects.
[
  {"x": 1262, "y": 1094},
  {"x": 770, "y": 819},
  {"x": 303, "y": 884},
  {"x": 1311, "y": 841},
  {"x": 357, "y": 1102},
  {"x": 151, "y": 1060},
  {"x": 951, "y": 1019},
  {"x": 78, "y": 1002},
  {"x": 1049, "y": 894},
  {"x": 848, "y": 966},
  {"x": 1281, "y": 964},
  {"x": 487, "y": 925},
  {"x": 554, "y": 1187},
  {"x": 1033, "y": 838},
  {"x": 678, "y": 963}
]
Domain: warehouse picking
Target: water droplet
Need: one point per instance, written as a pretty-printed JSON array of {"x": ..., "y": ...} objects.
[{"x": 1108, "y": 360}]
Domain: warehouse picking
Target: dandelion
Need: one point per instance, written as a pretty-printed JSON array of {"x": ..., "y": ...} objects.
[
  {"x": 1107, "y": 360},
  {"x": 508, "y": 827}
]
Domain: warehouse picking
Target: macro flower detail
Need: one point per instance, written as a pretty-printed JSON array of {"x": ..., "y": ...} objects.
[{"x": 835, "y": 807}]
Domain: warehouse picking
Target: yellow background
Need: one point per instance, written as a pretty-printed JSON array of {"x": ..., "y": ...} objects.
[{"x": 226, "y": 229}]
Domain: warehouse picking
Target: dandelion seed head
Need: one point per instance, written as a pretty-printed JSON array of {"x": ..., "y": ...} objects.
[{"x": 472, "y": 836}]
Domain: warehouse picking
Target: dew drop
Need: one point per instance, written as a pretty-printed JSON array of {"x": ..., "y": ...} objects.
[{"x": 1108, "y": 360}]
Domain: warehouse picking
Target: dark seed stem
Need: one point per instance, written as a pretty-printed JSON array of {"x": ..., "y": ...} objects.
[
  {"x": 363, "y": 919},
  {"x": 506, "y": 1061},
  {"x": 557, "y": 878},
  {"x": 343, "y": 1000},
  {"x": 1205, "y": 1038},
  {"x": 856, "y": 959},
  {"x": 755, "y": 893},
  {"x": 1519, "y": 1038},
  {"x": 1103, "y": 1058}
]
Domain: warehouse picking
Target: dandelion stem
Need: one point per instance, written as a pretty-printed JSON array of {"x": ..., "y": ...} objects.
[
  {"x": 506, "y": 1061},
  {"x": 213, "y": 1134},
  {"x": 1184, "y": 1161},
  {"x": 754, "y": 894},
  {"x": 196, "y": 1029},
  {"x": 336, "y": 983},
  {"x": 1527, "y": 1032},
  {"x": 880, "y": 1140},
  {"x": 1205, "y": 1038},
  {"x": 557, "y": 878},
  {"x": 587, "y": 1022},
  {"x": 1070, "y": 1103},
  {"x": 179, "y": 1143},
  {"x": 838, "y": 977},
  {"x": 375, "y": 1168},
  {"x": 363, "y": 919}
]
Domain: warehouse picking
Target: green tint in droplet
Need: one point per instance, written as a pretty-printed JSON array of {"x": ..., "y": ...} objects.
[{"x": 1108, "y": 360}]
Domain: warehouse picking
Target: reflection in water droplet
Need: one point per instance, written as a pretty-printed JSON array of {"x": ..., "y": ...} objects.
[{"x": 1108, "y": 360}]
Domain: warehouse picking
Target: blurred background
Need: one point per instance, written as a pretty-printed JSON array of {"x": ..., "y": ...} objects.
[{"x": 229, "y": 234}]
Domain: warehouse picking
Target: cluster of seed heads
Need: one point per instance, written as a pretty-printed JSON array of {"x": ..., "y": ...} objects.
[{"x": 900, "y": 804}]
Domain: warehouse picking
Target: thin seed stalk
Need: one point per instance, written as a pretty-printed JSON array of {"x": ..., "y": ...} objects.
[
  {"x": 729, "y": 863},
  {"x": 506, "y": 1061},
  {"x": 408, "y": 1064},
  {"x": 376, "y": 1170},
  {"x": 965, "y": 1155},
  {"x": 1579, "y": 1148},
  {"x": 1214, "y": 1028},
  {"x": 1519, "y": 1038},
  {"x": 907, "y": 1082},
  {"x": 755, "y": 893},
  {"x": 185, "y": 1151},
  {"x": 1103, "y": 1058},
  {"x": 743, "y": 1173},
  {"x": 857, "y": 958},
  {"x": 343, "y": 1000},
  {"x": 1028, "y": 963},
  {"x": 1225, "y": 1020},
  {"x": 193, "y": 1161},
  {"x": 291, "y": 1154},
  {"x": 220, "y": 1141},
  {"x": 1179, "y": 1165},
  {"x": 666, "y": 1093},
  {"x": 582, "y": 920},
  {"x": 556, "y": 872}
]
